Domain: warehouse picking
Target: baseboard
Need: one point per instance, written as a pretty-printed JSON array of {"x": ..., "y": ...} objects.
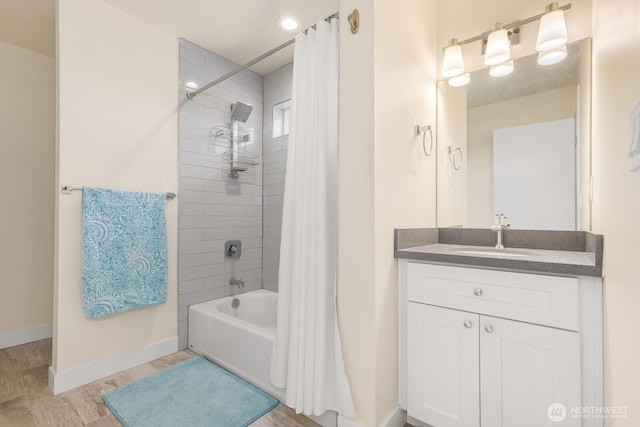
[
  {"x": 23, "y": 336},
  {"x": 60, "y": 382},
  {"x": 347, "y": 422},
  {"x": 328, "y": 419},
  {"x": 397, "y": 418}
]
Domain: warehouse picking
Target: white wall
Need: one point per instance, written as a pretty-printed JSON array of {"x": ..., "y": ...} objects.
[
  {"x": 387, "y": 73},
  {"x": 117, "y": 128},
  {"x": 27, "y": 132},
  {"x": 212, "y": 207},
  {"x": 616, "y": 206}
]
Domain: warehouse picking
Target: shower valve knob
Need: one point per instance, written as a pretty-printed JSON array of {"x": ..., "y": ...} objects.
[{"x": 232, "y": 249}]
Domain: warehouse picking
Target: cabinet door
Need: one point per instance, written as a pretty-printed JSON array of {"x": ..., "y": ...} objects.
[
  {"x": 443, "y": 366},
  {"x": 524, "y": 369}
]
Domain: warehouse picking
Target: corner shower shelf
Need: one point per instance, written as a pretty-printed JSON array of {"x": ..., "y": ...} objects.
[{"x": 238, "y": 163}]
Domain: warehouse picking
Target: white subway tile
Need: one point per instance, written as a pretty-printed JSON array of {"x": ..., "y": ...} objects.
[
  {"x": 190, "y": 260},
  {"x": 186, "y": 286}
]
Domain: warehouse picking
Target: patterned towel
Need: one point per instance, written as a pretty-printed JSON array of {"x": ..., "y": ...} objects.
[{"x": 124, "y": 262}]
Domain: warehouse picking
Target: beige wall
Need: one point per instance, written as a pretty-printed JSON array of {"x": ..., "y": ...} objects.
[
  {"x": 387, "y": 87},
  {"x": 118, "y": 119},
  {"x": 555, "y": 104},
  {"x": 356, "y": 255},
  {"x": 27, "y": 135},
  {"x": 616, "y": 205}
]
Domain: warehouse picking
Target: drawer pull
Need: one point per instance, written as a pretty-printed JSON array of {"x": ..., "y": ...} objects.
[
  {"x": 478, "y": 292},
  {"x": 489, "y": 328},
  {"x": 468, "y": 324}
]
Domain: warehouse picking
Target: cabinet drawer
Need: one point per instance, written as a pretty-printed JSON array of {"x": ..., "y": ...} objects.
[{"x": 545, "y": 300}]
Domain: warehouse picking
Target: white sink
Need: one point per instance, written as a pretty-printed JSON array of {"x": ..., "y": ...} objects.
[{"x": 493, "y": 252}]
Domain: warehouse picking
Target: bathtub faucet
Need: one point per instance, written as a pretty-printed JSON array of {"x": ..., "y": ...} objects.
[{"x": 239, "y": 283}]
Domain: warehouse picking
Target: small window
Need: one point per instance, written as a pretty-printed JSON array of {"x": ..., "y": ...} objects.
[{"x": 281, "y": 118}]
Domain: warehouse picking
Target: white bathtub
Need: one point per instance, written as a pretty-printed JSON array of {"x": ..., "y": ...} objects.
[
  {"x": 238, "y": 339},
  {"x": 241, "y": 339}
]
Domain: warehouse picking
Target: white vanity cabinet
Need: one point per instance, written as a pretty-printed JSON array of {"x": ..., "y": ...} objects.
[{"x": 493, "y": 348}]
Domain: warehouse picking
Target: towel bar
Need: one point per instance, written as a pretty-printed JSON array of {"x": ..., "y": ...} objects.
[{"x": 68, "y": 189}]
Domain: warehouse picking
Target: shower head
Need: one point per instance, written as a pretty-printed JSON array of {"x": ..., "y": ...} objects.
[{"x": 240, "y": 111}]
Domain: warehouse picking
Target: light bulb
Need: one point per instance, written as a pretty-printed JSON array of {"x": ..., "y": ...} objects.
[
  {"x": 460, "y": 80},
  {"x": 498, "y": 50},
  {"x": 553, "y": 56},
  {"x": 552, "y": 32},
  {"x": 501, "y": 70},
  {"x": 288, "y": 23},
  {"x": 452, "y": 62}
]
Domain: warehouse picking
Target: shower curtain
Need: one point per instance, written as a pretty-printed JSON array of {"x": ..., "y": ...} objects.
[{"x": 307, "y": 357}]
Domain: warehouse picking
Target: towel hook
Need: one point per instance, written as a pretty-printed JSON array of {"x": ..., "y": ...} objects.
[
  {"x": 354, "y": 21},
  {"x": 422, "y": 130},
  {"x": 452, "y": 156}
]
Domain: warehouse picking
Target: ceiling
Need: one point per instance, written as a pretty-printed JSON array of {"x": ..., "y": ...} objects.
[
  {"x": 29, "y": 24},
  {"x": 238, "y": 30}
]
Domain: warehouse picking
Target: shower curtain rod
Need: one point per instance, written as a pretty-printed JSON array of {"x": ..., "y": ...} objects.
[{"x": 195, "y": 93}]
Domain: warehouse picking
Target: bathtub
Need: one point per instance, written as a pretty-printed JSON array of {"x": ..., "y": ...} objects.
[
  {"x": 241, "y": 339},
  {"x": 238, "y": 339}
]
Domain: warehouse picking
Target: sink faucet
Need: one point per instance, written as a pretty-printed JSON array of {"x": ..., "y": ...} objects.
[
  {"x": 236, "y": 282},
  {"x": 502, "y": 225}
]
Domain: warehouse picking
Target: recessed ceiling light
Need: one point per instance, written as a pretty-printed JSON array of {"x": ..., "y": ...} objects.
[
  {"x": 288, "y": 23},
  {"x": 191, "y": 85}
]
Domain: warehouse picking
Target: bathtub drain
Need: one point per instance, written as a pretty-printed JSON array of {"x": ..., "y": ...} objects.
[{"x": 235, "y": 303}]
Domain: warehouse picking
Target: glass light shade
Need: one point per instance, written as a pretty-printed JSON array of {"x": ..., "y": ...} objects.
[
  {"x": 552, "y": 32},
  {"x": 498, "y": 50},
  {"x": 553, "y": 56},
  {"x": 452, "y": 63},
  {"x": 501, "y": 70},
  {"x": 460, "y": 80}
]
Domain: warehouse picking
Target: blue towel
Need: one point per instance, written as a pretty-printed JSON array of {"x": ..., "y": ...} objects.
[{"x": 124, "y": 260}]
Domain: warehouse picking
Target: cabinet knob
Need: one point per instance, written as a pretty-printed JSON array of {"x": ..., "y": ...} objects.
[
  {"x": 488, "y": 327},
  {"x": 478, "y": 292},
  {"x": 468, "y": 324}
]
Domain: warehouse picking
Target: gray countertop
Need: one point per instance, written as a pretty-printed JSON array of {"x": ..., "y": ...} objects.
[{"x": 553, "y": 252}]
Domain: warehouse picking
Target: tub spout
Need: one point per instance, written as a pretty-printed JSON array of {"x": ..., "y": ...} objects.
[{"x": 236, "y": 282}]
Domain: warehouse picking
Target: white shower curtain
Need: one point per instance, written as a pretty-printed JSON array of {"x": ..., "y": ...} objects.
[{"x": 307, "y": 357}]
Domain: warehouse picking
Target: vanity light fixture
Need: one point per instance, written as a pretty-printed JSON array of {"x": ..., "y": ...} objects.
[
  {"x": 498, "y": 49},
  {"x": 501, "y": 70},
  {"x": 552, "y": 56},
  {"x": 460, "y": 80},
  {"x": 552, "y": 32},
  {"x": 288, "y": 23},
  {"x": 452, "y": 63},
  {"x": 552, "y": 36}
]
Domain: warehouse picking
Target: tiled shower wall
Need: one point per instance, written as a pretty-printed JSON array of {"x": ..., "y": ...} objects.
[
  {"x": 212, "y": 208},
  {"x": 277, "y": 88}
]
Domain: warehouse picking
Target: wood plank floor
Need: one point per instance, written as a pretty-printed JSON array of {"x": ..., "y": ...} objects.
[{"x": 25, "y": 399}]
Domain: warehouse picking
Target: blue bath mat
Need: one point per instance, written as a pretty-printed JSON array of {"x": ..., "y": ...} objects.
[{"x": 195, "y": 392}]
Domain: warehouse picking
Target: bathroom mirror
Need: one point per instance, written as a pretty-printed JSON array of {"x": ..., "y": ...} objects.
[{"x": 517, "y": 145}]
